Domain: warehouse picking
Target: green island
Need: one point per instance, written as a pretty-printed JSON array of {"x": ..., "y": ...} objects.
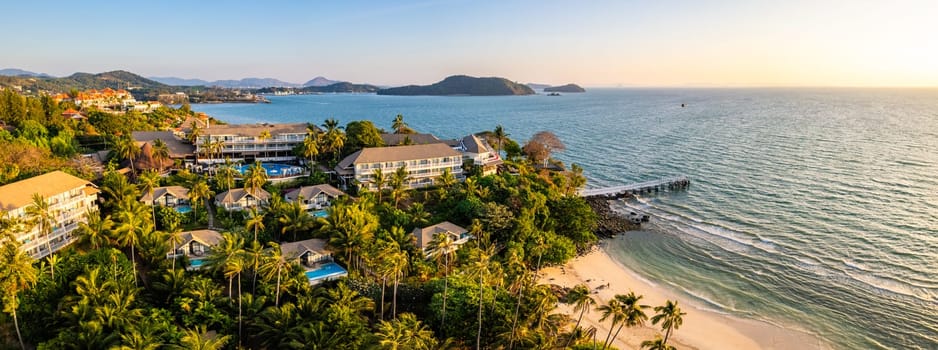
[
  {"x": 463, "y": 85},
  {"x": 565, "y": 88},
  {"x": 163, "y": 228}
]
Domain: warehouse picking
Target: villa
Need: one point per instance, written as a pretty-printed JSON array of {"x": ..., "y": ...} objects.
[
  {"x": 250, "y": 142},
  {"x": 68, "y": 197},
  {"x": 315, "y": 259},
  {"x": 178, "y": 149},
  {"x": 482, "y": 155},
  {"x": 194, "y": 245},
  {"x": 314, "y": 197},
  {"x": 424, "y": 164},
  {"x": 169, "y": 196},
  {"x": 237, "y": 199},
  {"x": 410, "y": 139},
  {"x": 425, "y": 235}
]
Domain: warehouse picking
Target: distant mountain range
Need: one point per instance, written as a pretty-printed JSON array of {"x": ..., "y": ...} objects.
[
  {"x": 246, "y": 83},
  {"x": 463, "y": 85},
  {"x": 15, "y": 72}
]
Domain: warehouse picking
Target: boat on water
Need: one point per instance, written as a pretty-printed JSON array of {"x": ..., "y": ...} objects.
[{"x": 553, "y": 94}]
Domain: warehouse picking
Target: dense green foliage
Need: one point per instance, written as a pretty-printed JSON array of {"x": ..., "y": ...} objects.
[{"x": 463, "y": 85}]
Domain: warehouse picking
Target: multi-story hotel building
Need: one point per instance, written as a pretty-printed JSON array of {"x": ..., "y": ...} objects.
[
  {"x": 68, "y": 198},
  {"x": 248, "y": 142},
  {"x": 424, "y": 164}
]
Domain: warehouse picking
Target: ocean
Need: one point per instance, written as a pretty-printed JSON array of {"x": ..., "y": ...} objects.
[{"x": 813, "y": 209}]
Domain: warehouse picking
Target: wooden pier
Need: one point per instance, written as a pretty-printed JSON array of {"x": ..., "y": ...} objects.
[{"x": 670, "y": 183}]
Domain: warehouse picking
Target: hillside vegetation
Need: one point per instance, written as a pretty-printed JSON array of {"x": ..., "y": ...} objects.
[{"x": 463, "y": 85}]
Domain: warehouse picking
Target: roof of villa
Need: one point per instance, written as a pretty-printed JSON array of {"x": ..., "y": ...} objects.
[
  {"x": 398, "y": 153},
  {"x": 415, "y": 139},
  {"x": 425, "y": 235},
  {"x": 473, "y": 144},
  {"x": 175, "y": 191},
  {"x": 205, "y": 237},
  {"x": 255, "y": 129},
  {"x": 20, "y": 193},
  {"x": 293, "y": 250},
  {"x": 235, "y": 195},
  {"x": 177, "y": 148},
  {"x": 308, "y": 192}
]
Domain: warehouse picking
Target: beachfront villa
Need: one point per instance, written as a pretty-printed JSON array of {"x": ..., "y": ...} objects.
[
  {"x": 482, "y": 155},
  {"x": 194, "y": 245},
  {"x": 68, "y": 198},
  {"x": 168, "y": 196},
  {"x": 237, "y": 199},
  {"x": 315, "y": 259},
  {"x": 314, "y": 197},
  {"x": 424, "y": 164},
  {"x": 249, "y": 142},
  {"x": 425, "y": 235}
]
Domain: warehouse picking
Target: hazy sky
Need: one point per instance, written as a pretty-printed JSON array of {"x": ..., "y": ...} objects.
[{"x": 594, "y": 43}]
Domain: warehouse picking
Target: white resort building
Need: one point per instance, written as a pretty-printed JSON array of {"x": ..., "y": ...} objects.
[
  {"x": 249, "y": 142},
  {"x": 424, "y": 164},
  {"x": 314, "y": 197},
  {"x": 68, "y": 198},
  {"x": 481, "y": 154}
]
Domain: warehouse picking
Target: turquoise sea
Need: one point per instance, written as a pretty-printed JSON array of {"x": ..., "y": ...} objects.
[{"x": 814, "y": 209}]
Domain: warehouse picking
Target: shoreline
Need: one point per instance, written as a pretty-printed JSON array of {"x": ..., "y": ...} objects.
[{"x": 702, "y": 329}]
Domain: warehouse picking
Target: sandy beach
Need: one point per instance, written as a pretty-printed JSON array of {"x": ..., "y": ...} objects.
[{"x": 701, "y": 329}]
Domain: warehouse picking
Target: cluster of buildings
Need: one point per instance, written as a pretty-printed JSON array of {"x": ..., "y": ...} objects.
[{"x": 108, "y": 99}]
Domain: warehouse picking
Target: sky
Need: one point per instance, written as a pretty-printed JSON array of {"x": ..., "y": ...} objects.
[{"x": 592, "y": 43}]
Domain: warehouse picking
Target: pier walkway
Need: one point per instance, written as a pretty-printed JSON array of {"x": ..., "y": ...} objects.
[{"x": 670, "y": 183}]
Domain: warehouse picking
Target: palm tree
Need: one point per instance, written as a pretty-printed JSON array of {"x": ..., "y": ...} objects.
[
  {"x": 148, "y": 182},
  {"x": 582, "y": 302},
  {"x": 405, "y": 332},
  {"x": 225, "y": 174},
  {"x": 671, "y": 318},
  {"x": 193, "y": 137},
  {"x": 500, "y": 136},
  {"x": 294, "y": 218},
  {"x": 95, "y": 229},
  {"x": 398, "y": 262},
  {"x": 255, "y": 221},
  {"x": 398, "y": 184},
  {"x": 613, "y": 310},
  {"x": 377, "y": 178},
  {"x": 399, "y": 125},
  {"x": 264, "y": 136},
  {"x": 234, "y": 266},
  {"x": 218, "y": 147},
  {"x": 254, "y": 252},
  {"x": 16, "y": 275},
  {"x": 350, "y": 228},
  {"x": 197, "y": 195},
  {"x": 441, "y": 249},
  {"x": 133, "y": 227},
  {"x": 480, "y": 266},
  {"x": 206, "y": 148},
  {"x": 311, "y": 145},
  {"x": 126, "y": 148},
  {"x": 657, "y": 344},
  {"x": 38, "y": 211},
  {"x": 630, "y": 312},
  {"x": 274, "y": 264},
  {"x": 255, "y": 178},
  {"x": 200, "y": 339},
  {"x": 335, "y": 138},
  {"x": 160, "y": 153}
]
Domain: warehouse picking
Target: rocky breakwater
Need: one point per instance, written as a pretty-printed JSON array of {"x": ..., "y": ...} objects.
[{"x": 609, "y": 222}]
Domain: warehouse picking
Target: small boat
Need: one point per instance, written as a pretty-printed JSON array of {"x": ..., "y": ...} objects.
[{"x": 553, "y": 94}]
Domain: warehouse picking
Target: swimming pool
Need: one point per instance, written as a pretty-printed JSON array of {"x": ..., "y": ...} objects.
[
  {"x": 325, "y": 271},
  {"x": 183, "y": 209},
  {"x": 319, "y": 214},
  {"x": 274, "y": 169}
]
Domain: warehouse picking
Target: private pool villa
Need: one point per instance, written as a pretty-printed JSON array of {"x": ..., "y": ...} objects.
[
  {"x": 183, "y": 209},
  {"x": 325, "y": 272},
  {"x": 314, "y": 259},
  {"x": 319, "y": 214}
]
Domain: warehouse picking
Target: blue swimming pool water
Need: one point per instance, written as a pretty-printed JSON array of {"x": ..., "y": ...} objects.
[
  {"x": 195, "y": 262},
  {"x": 325, "y": 271},
  {"x": 274, "y": 169},
  {"x": 183, "y": 209},
  {"x": 320, "y": 214}
]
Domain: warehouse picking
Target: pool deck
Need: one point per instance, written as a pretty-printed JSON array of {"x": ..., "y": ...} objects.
[{"x": 331, "y": 269}]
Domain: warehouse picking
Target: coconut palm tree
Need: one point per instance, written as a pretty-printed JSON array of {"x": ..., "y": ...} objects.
[
  {"x": 405, "y": 332},
  {"x": 377, "y": 179},
  {"x": 218, "y": 147},
  {"x": 263, "y": 137},
  {"x": 311, "y": 146},
  {"x": 657, "y": 344},
  {"x": 234, "y": 266},
  {"x": 294, "y": 218},
  {"x": 274, "y": 265},
  {"x": 398, "y": 262},
  {"x": 349, "y": 228},
  {"x": 442, "y": 249},
  {"x": 16, "y": 275},
  {"x": 615, "y": 311},
  {"x": 148, "y": 181},
  {"x": 398, "y": 184},
  {"x": 500, "y": 136},
  {"x": 198, "y": 194},
  {"x": 582, "y": 302},
  {"x": 160, "y": 153},
  {"x": 206, "y": 149},
  {"x": 255, "y": 253},
  {"x": 632, "y": 311},
  {"x": 255, "y": 178},
  {"x": 255, "y": 221},
  {"x": 126, "y": 148},
  {"x": 200, "y": 339},
  {"x": 133, "y": 226},
  {"x": 95, "y": 229},
  {"x": 399, "y": 125},
  {"x": 671, "y": 318},
  {"x": 38, "y": 211},
  {"x": 225, "y": 175},
  {"x": 480, "y": 266}
]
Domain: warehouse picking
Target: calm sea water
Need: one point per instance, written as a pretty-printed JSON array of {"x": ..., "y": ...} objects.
[{"x": 815, "y": 209}]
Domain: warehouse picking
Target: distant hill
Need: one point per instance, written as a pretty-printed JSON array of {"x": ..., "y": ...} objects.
[
  {"x": 536, "y": 86},
  {"x": 246, "y": 83},
  {"x": 565, "y": 88},
  {"x": 341, "y": 87},
  {"x": 16, "y": 72},
  {"x": 321, "y": 81},
  {"x": 463, "y": 85},
  {"x": 82, "y": 81}
]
